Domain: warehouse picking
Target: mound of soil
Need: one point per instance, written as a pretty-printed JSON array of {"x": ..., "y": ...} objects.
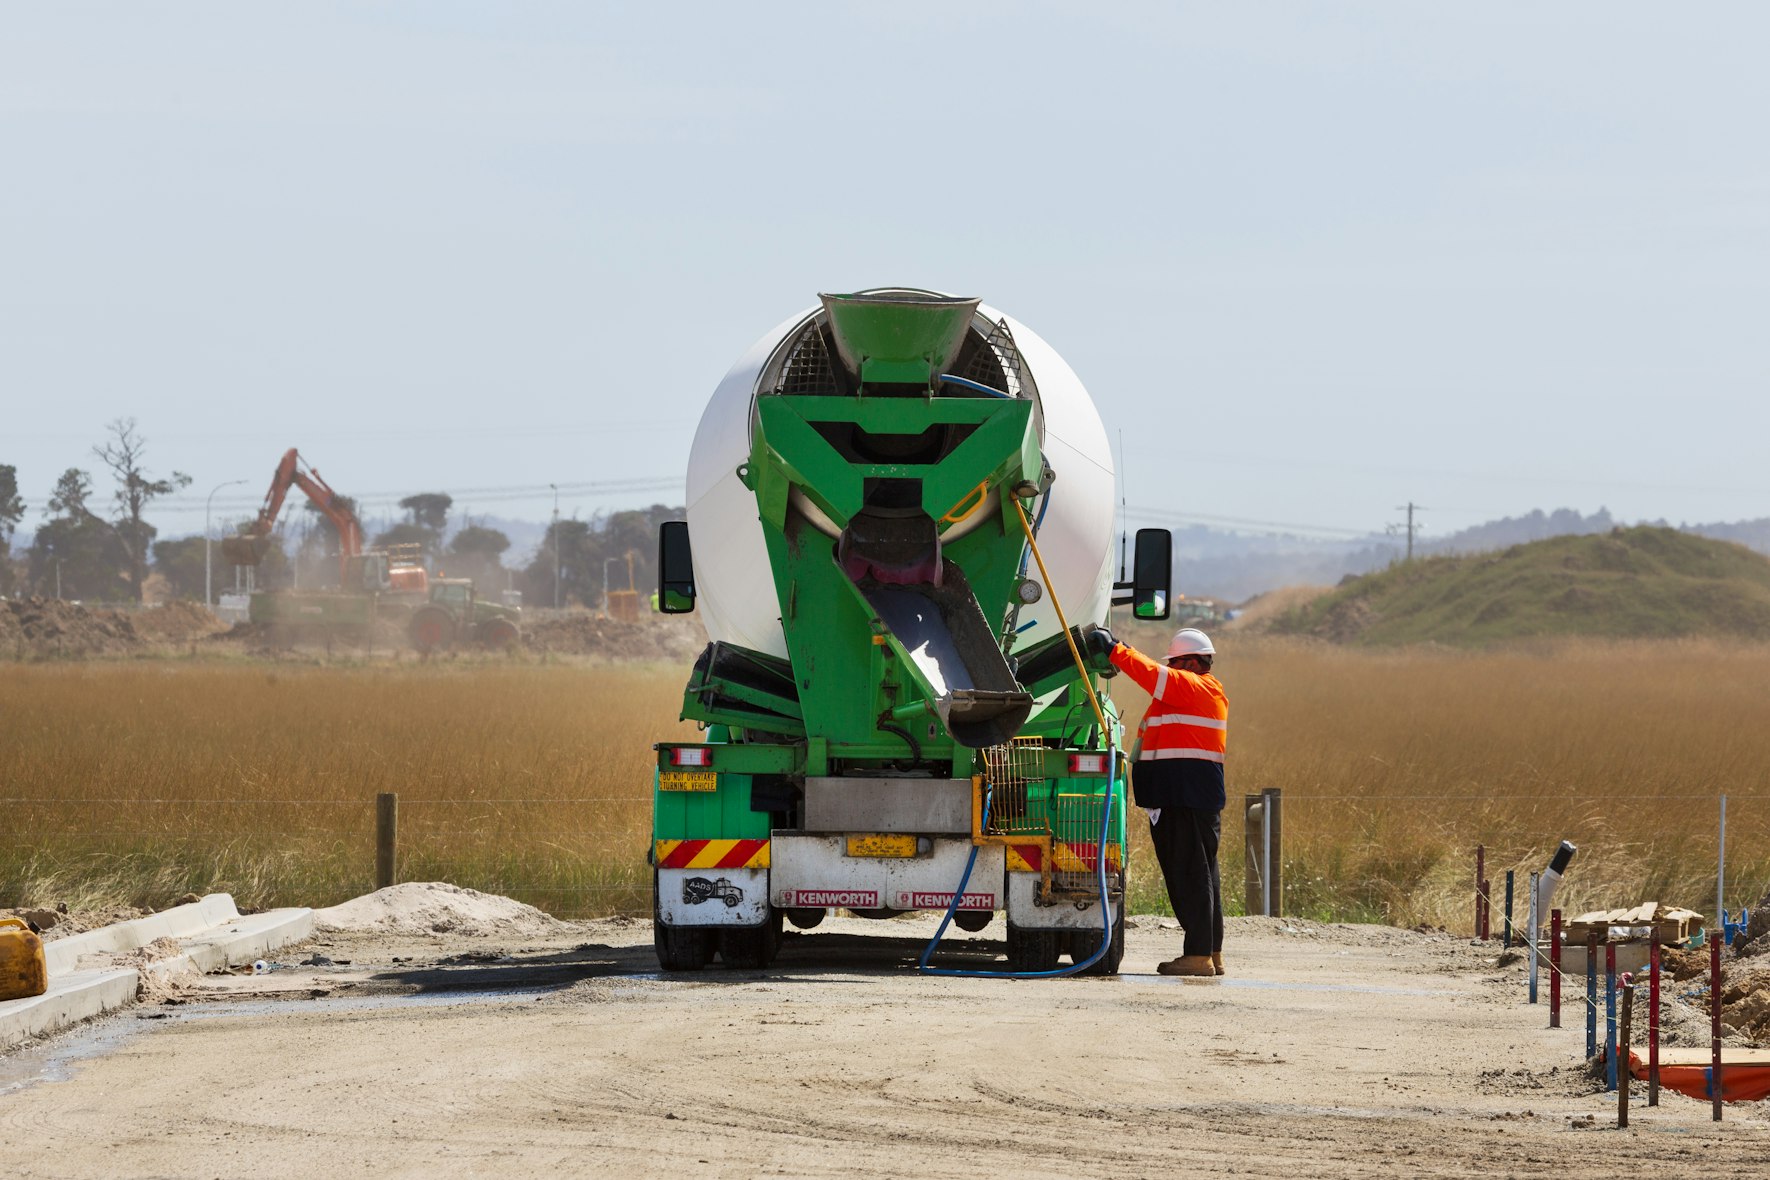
[
  {"x": 177, "y": 621},
  {"x": 668, "y": 638},
  {"x": 53, "y": 628},
  {"x": 1745, "y": 1004},
  {"x": 50, "y": 628},
  {"x": 435, "y": 907}
]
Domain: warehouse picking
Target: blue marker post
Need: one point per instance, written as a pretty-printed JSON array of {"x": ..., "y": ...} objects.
[
  {"x": 1591, "y": 995},
  {"x": 1609, "y": 1015}
]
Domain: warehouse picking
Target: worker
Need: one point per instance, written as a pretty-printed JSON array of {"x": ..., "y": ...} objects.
[{"x": 1177, "y": 776}]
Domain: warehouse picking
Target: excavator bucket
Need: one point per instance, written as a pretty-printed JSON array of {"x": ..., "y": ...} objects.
[{"x": 244, "y": 550}]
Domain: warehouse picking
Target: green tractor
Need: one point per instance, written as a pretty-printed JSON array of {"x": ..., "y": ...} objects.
[{"x": 455, "y": 614}]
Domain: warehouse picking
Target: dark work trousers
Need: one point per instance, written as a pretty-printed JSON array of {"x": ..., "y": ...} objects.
[{"x": 1186, "y": 846}]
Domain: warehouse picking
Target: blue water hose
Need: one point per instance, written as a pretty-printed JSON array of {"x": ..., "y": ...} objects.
[
  {"x": 1112, "y": 762},
  {"x": 980, "y": 387}
]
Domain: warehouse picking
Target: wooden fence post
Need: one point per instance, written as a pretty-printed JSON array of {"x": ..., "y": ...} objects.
[{"x": 386, "y": 837}]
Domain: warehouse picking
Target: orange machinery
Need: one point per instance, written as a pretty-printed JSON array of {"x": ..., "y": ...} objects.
[{"x": 248, "y": 548}]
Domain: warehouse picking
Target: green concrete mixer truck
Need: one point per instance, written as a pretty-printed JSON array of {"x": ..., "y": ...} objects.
[{"x": 900, "y": 530}]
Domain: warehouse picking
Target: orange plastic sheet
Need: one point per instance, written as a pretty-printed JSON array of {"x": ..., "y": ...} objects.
[{"x": 1741, "y": 1081}]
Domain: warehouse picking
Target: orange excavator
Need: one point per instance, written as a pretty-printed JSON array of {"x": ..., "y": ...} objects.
[{"x": 357, "y": 569}]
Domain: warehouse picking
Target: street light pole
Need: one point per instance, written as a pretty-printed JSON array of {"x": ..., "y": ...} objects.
[
  {"x": 555, "y": 488},
  {"x": 208, "y": 565}
]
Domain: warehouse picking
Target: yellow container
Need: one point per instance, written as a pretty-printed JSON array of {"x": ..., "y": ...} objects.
[{"x": 22, "y": 969}]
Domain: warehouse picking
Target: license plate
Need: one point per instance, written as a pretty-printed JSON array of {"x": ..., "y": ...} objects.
[
  {"x": 688, "y": 780},
  {"x": 882, "y": 845}
]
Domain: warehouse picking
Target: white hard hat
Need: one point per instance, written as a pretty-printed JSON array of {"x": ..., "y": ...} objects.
[{"x": 1190, "y": 641}]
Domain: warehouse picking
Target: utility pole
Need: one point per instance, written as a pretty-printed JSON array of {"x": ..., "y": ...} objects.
[
  {"x": 555, "y": 488},
  {"x": 1410, "y": 508}
]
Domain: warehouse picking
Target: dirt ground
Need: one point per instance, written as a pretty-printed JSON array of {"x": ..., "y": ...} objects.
[{"x": 400, "y": 1051}]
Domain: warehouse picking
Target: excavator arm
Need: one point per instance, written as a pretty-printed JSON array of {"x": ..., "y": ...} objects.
[{"x": 249, "y": 547}]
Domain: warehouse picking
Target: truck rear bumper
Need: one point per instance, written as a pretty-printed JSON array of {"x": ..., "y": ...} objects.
[{"x": 817, "y": 872}]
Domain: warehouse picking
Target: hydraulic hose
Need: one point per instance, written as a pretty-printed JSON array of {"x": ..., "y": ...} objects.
[
  {"x": 1112, "y": 771},
  {"x": 978, "y": 386}
]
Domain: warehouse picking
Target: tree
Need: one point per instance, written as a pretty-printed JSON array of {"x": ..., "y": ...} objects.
[
  {"x": 476, "y": 552},
  {"x": 180, "y": 562},
  {"x": 76, "y": 553},
  {"x": 584, "y": 547},
  {"x": 427, "y": 515},
  {"x": 12, "y": 510},
  {"x": 316, "y": 557},
  {"x": 429, "y": 509},
  {"x": 124, "y": 454}
]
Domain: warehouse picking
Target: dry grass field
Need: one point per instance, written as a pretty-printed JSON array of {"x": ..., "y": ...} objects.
[{"x": 135, "y": 782}]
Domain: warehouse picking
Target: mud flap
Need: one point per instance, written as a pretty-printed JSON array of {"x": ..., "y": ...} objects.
[{"x": 713, "y": 897}]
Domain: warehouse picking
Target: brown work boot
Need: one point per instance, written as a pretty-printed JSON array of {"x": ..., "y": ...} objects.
[
  {"x": 1187, "y": 965},
  {"x": 1217, "y": 961}
]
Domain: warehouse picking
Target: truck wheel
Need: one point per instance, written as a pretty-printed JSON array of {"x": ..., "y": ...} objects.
[
  {"x": 679, "y": 948},
  {"x": 500, "y": 633},
  {"x": 971, "y": 921},
  {"x": 1032, "y": 950},
  {"x": 1083, "y": 942},
  {"x": 431, "y": 629},
  {"x": 751, "y": 947}
]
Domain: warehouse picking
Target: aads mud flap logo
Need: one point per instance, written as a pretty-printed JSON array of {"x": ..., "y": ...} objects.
[{"x": 695, "y": 890}]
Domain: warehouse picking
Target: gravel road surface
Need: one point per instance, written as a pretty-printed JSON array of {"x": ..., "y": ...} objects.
[{"x": 1326, "y": 1051}]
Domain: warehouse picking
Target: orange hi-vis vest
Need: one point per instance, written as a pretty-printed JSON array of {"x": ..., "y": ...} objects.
[{"x": 1188, "y": 715}]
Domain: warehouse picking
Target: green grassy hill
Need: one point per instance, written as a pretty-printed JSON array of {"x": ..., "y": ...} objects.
[{"x": 1623, "y": 584}]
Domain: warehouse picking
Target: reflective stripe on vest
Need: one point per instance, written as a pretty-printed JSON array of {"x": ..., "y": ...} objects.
[
  {"x": 1185, "y": 719},
  {"x": 1201, "y": 755}
]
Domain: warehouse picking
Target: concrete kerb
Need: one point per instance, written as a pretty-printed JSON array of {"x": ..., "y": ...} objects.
[
  {"x": 213, "y": 936},
  {"x": 182, "y": 921}
]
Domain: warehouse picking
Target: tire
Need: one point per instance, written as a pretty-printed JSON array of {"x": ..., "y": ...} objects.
[
  {"x": 1032, "y": 950},
  {"x": 679, "y": 948},
  {"x": 971, "y": 921},
  {"x": 804, "y": 918},
  {"x": 751, "y": 948},
  {"x": 432, "y": 629},
  {"x": 500, "y": 633},
  {"x": 1082, "y": 943}
]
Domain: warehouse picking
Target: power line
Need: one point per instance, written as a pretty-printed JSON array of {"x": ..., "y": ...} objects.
[{"x": 505, "y": 493}]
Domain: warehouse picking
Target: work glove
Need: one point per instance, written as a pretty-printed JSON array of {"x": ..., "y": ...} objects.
[{"x": 1100, "y": 640}]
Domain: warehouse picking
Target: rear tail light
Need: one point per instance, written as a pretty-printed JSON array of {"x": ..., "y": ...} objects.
[
  {"x": 1087, "y": 763},
  {"x": 691, "y": 756}
]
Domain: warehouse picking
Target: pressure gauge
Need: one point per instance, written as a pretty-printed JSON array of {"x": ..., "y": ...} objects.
[{"x": 1029, "y": 591}]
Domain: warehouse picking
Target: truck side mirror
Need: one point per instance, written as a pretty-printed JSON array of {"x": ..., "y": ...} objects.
[
  {"x": 1152, "y": 576},
  {"x": 675, "y": 569}
]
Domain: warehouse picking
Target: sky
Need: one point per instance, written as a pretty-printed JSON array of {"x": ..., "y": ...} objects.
[{"x": 1313, "y": 262}]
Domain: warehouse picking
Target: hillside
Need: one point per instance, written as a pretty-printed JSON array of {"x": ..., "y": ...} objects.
[{"x": 1644, "y": 581}]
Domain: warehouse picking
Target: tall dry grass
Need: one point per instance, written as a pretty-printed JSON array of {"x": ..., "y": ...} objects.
[
  {"x": 136, "y": 782},
  {"x": 1395, "y": 764}
]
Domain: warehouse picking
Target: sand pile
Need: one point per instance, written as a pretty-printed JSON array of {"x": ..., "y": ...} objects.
[
  {"x": 666, "y": 638},
  {"x": 435, "y": 907}
]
